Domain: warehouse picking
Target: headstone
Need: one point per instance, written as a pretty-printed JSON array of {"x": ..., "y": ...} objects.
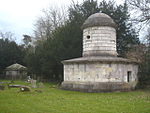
[{"x": 33, "y": 83}]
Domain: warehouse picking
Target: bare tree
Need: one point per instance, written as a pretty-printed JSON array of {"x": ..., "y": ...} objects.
[
  {"x": 52, "y": 18},
  {"x": 148, "y": 37},
  {"x": 137, "y": 53},
  {"x": 140, "y": 11}
]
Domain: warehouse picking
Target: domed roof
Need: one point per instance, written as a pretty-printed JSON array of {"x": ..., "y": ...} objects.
[{"x": 99, "y": 19}]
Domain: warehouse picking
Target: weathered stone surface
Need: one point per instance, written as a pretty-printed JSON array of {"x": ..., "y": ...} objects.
[
  {"x": 99, "y": 19},
  {"x": 96, "y": 86},
  {"x": 81, "y": 72},
  {"x": 99, "y": 70},
  {"x": 22, "y": 88},
  {"x": 107, "y": 59},
  {"x": 16, "y": 71},
  {"x": 102, "y": 41},
  {"x": 33, "y": 83}
]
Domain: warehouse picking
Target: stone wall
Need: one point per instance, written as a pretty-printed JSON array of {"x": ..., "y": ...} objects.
[
  {"x": 99, "y": 40},
  {"x": 100, "y": 72},
  {"x": 14, "y": 74}
]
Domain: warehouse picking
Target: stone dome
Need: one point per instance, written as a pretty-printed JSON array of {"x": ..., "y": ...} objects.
[{"x": 99, "y": 19}]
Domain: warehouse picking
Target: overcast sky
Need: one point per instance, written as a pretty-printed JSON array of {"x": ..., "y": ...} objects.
[{"x": 19, "y": 16}]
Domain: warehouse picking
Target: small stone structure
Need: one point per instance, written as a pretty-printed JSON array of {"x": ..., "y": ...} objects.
[
  {"x": 99, "y": 70},
  {"x": 16, "y": 71}
]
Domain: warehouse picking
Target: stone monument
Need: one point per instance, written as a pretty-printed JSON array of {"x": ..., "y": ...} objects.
[{"x": 99, "y": 69}]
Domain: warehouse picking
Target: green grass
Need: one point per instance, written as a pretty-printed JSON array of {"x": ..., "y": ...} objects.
[{"x": 53, "y": 100}]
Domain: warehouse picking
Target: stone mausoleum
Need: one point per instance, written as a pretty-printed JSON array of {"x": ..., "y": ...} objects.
[
  {"x": 99, "y": 69},
  {"x": 15, "y": 72}
]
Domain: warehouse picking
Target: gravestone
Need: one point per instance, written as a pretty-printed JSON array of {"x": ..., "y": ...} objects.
[{"x": 33, "y": 83}]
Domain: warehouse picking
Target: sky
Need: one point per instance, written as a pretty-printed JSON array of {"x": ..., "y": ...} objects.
[{"x": 19, "y": 16}]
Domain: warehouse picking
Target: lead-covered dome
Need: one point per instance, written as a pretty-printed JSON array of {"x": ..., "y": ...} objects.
[{"x": 99, "y": 19}]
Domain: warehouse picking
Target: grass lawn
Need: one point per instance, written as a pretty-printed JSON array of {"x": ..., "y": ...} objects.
[{"x": 53, "y": 100}]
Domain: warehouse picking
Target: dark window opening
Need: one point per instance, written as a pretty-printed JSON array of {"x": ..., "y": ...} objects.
[
  {"x": 88, "y": 37},
  {"x": 128, "y": 76}
]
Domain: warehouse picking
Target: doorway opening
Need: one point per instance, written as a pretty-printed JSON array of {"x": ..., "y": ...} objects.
[{"x": 129, "y": 76}]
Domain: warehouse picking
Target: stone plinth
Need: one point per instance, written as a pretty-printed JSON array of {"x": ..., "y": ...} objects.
[{"x": 96, "y": 86}]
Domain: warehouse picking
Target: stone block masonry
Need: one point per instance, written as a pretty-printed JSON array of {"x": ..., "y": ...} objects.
[
  {"x": 99, "y": 41},
  {"x": 99, "y": 70}
]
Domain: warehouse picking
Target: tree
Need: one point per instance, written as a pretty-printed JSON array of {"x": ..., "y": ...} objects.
[
  {"x": 7, "y": 35},
  {"x": 145, "y": 66},
  {"x": 125, "y": 33},
  {"x": 52, "y": 18},
  {"x": 147, "y": 38},
  {"x": 140, "y": 10},
  {"x": 10, "y": 53}
]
